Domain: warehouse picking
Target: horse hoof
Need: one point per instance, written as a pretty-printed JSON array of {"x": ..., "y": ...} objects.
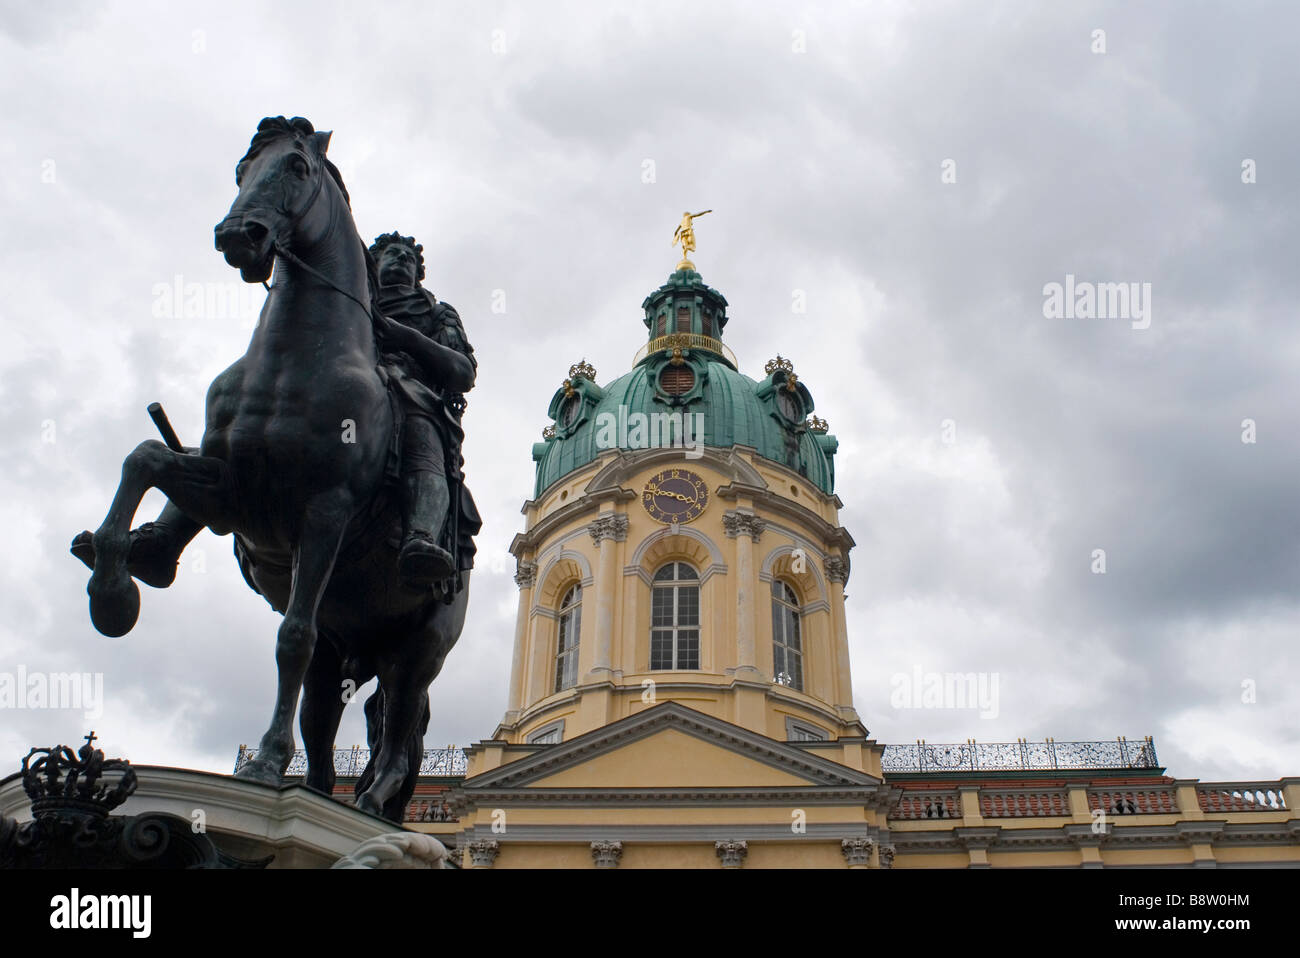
[
  {"x": 149, "y": 557},
  {"x": 258, "y": 770},
  {"x": 114, "y": 604},
  {"x": 83, "y": 547},
  {"x": 368, "y": 804}
]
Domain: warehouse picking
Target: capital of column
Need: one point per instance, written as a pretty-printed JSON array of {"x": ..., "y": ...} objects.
[
  {"x": 736, "y": 524},
  {"x": 525, "y": 573},
  {"x": 887, "y": 856},
  {"x": 731, "y": 853},
  {"x": 610, "y": 525},
  {"x": 606, "y": 854},
  {"x": 483, "y": 852},
  {"x": 837, "y": 570},
  {"x": 857, "y": 851}
]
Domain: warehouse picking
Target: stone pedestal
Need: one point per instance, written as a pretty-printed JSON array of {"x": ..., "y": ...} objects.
[{"x": 250, "y": 821}]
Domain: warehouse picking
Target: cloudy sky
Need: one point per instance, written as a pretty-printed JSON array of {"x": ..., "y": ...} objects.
[{"x": 916, "y": 173}]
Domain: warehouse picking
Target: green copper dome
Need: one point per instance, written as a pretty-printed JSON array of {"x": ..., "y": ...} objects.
[{"x": 685, "y": 392}]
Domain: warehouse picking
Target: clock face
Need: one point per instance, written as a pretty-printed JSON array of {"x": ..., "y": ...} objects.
[{"x": 675, "y": 495}]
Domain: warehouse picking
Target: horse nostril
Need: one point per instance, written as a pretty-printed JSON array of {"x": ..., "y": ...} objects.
[{"x": 255, "y": 232}]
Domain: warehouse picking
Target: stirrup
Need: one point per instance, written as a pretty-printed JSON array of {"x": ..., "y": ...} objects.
[{"x": 422, "y": 561}]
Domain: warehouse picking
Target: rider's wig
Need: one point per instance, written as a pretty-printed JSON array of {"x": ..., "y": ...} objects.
[{"x": 388, "y": 239}]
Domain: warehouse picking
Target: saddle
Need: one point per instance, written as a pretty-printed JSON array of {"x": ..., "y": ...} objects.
[{"x": 381, "y": 523}]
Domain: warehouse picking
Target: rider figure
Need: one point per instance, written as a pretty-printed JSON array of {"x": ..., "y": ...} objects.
[{"x": 431, "y": 364}]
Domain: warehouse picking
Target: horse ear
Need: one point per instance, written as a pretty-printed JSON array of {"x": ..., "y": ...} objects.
[{"x": 323, "y": 140}]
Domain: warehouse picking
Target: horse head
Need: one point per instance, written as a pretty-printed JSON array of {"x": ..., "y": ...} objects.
[{"x": 280, "y": 180}]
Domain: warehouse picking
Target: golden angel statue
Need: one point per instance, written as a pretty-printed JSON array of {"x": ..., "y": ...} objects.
[{"x": 685, "y": 235}]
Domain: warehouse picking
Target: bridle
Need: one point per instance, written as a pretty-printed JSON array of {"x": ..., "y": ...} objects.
[{"x": 282, "y": 249}]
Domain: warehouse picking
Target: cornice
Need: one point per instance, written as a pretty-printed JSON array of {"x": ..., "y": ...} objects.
[
  {"x": 777, "y": 505},
  {"x": 678, "y": 834},
  {"x": 1079, "y": 834},
  {"x": 673, "y": 715},
  {"x": 707, "y": 797}
]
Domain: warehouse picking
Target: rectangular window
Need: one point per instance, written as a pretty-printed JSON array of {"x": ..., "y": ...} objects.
[
  {"x": 551, "y": 734},
  {"x": 796, "y": 731}
]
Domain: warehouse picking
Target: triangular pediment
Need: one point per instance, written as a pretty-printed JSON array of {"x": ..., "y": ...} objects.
[{"x": 671, "y": 746}]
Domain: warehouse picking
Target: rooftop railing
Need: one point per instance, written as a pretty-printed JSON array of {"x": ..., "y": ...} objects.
[
  {"x": 1020, "y": 756},
  {"x": 686, "y": 341},
  {"x": 349, "y": 762},
  {"x": 921, "y": 757}
]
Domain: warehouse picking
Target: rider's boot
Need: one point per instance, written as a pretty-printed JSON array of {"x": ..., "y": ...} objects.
[
  {"x": 155, "y": 548},
  {"x": 422, "y": 561}
]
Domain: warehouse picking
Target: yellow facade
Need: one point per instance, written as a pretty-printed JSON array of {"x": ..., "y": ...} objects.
[
  {"x": 602, "y": 760},
  {"x": 590, "y": 531}
]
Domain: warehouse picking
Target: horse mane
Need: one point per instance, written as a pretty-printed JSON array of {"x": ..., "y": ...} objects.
[{"x": 301, "y": 130}]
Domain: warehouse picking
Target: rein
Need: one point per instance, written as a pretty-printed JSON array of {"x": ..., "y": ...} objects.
[{"x": 283, "y": 250}]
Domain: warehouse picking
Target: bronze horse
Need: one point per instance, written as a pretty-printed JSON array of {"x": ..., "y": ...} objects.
[{"x": 293, "y": 461}]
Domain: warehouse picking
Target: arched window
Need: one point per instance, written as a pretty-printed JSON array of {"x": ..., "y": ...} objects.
[
  {"x": 566, "y": 644},
  {"x": 675, "y": 618},
  {"x": 787, "y": 650}
]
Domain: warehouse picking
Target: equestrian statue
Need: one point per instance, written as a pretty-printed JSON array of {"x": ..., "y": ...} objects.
[{"x": 332, "y": 453}]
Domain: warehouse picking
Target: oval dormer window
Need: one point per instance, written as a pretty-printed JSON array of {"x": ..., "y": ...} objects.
[
  {"x": 569, "y": 412},
  {"x": 789, "y": 405},
  {"x": 676, "y": 380}
]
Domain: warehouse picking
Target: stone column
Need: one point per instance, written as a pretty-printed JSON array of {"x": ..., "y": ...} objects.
[
  {"x": 837, "y": 574},
  {"x": 745, "y": 528},
  {"x": 606, "y": 530},
  {"x": 525, "y": 577},
  {"x": 538, "y": 678}
]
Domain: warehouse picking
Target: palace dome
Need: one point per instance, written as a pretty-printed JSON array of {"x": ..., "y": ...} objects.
[{"x": 685, "y": 390}]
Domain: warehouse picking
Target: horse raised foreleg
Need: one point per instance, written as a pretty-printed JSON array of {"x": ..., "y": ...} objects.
[
  {"x": 318, "y": 546},
  {"x": 155, "y": 548},
  {"x": 199, "y": 485}
]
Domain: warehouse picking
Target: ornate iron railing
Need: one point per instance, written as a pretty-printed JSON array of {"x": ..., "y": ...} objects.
[
  {"x": 686, "y": 341},
  {"x": 349, "y": 762},
  {"x": 1020, "y": 756}
]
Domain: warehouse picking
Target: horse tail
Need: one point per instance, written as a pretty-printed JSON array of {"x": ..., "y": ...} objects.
[{"x": 395, "y": 808}]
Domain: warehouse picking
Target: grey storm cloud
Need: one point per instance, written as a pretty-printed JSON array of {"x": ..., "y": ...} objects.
[{"x": 542, "y": 156}]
